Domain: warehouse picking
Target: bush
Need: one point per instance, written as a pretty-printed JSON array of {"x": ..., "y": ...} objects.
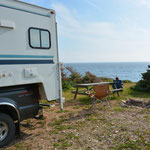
[
  {"x": 66, "y": 85},
  {"x": 74, "y": 76},
  {"x": 89, "y": 78},
  {"x": 105, "y": 79},
  {"x": 127, "y": 81},
  {"x": 144, "y": 84},
  {"x": 72, "y": 80}
]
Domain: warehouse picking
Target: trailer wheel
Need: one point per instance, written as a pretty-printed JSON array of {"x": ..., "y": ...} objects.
[{"x": 7, "y": 129}]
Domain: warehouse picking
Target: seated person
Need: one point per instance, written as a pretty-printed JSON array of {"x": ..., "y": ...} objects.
[{"x": 117, "y": 84}]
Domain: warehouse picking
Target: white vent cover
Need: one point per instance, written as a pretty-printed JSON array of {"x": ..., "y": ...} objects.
[{"x": 7, "y": 24}]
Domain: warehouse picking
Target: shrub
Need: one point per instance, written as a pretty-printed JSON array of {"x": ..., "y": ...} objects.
[
  {"x": 104, "y": 79},
  {"x": 66, "y": 85},
  {"x": 127, "y": 81},
  {"x": 74, "y": 76},
  {"x": 71, "y": 80},
  {"x": 89, "y": 78},
  {"x": 144, "y": 84},
  {"x": 65, "y": 81}
]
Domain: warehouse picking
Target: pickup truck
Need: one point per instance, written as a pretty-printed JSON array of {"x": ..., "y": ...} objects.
[
  {"x": 29, "y": 64},
  {"x": 16, "y": 104}
]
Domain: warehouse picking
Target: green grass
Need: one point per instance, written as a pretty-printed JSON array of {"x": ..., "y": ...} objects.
[
  {"x": 118, "y": 109},
  {"x": 69, "y": 124},
  {"x": 128, "y": 92},
  {"x": 64, "y": 127},
  {"x": 122, "y": 140},
  {"x": 56, "y": 144},
  {"x": 134, "y": 145},
  {"x": 56, "y": 122},
  {"x": 62, "y": 111},
  {"x": 64, "y": 143}
]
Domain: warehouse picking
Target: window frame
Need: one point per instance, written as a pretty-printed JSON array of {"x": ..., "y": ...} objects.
[{"x": 40, "y": 29}]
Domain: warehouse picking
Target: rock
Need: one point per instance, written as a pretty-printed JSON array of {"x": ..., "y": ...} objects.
[
  {"x": 135, "y": 102},
  {"x": 52, "y": 105},
  {"x": 123, "y": 103},
  {"x": 116, "y": 131}
]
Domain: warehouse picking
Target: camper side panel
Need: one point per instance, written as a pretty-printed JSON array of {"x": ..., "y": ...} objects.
[{"x": 28, "y": 48}]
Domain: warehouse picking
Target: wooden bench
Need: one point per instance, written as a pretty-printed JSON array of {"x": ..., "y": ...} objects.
[
  {"x": 82, "y": 92},
  {"x": 113, "y": 91}
]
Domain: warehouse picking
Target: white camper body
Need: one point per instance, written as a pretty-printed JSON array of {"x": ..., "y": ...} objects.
[{"x": 28, "y": 48}]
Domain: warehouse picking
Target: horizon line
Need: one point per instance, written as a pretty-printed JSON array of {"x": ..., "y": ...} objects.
[{"x": 112, "y": 62}]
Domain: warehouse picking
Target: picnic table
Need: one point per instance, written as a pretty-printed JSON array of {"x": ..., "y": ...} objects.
[{"x": 87, "y": 87}]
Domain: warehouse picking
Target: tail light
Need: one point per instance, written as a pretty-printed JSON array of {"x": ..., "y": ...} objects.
[{"x": 21, "y": 93}]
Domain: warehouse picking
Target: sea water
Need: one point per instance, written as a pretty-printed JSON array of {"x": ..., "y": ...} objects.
[{"x": 124, "y": 70}]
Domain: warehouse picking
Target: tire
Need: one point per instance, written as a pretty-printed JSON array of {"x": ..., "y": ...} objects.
[{"x": 7, "y": 129}]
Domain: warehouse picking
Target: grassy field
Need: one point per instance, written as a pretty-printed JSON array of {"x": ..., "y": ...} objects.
[{"x": 79, "y": 128}]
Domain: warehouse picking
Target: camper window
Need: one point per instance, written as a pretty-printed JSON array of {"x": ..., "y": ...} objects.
[
  {"x": 39, "y": 38},
  {"x": 45, "y": 39}
]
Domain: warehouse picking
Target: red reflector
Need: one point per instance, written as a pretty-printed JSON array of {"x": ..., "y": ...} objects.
[
  {"x": 52, "y": 12},
  {"x": 21, "y": 93}
]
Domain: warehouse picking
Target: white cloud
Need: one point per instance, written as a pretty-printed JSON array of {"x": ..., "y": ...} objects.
[
  {"x": 65, "y": 15},
  {"x": 145, "y": 3},
  {"x": 101, "y": 41}
]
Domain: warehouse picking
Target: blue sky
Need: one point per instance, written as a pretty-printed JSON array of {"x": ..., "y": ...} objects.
[{"x": 102, "y": 30}]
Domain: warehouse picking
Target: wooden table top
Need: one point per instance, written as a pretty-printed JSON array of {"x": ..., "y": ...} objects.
[{"x": 91, "y": 84}]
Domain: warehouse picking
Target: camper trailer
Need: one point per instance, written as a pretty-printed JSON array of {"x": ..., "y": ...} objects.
[{"x": 29, "y": 64}]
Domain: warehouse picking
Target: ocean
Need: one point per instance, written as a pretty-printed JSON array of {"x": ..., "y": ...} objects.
[{"x": 125, "y": 71}]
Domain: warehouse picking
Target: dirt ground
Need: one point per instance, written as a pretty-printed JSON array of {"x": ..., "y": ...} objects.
[{"x": 79, "y": 128}]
